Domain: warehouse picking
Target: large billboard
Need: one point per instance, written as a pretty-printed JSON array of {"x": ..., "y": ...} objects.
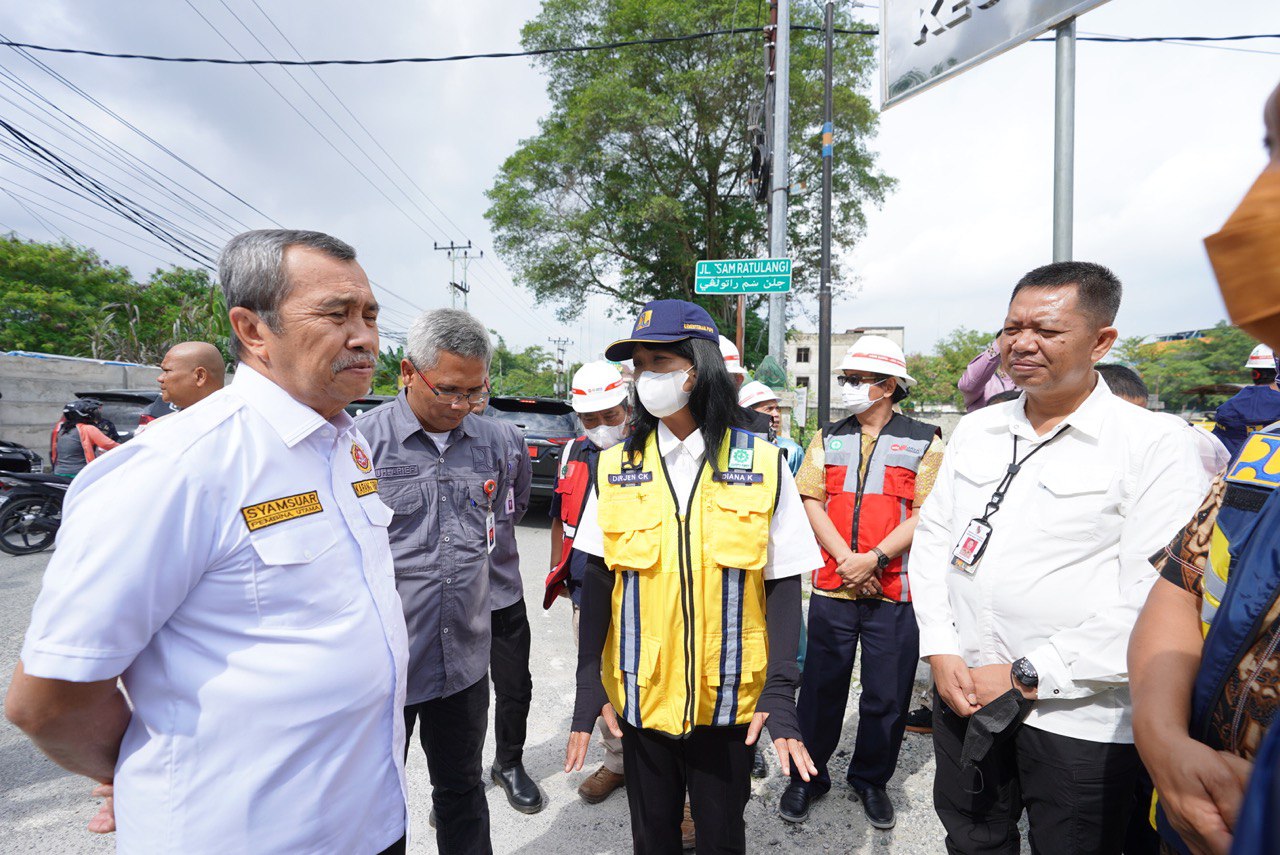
[{"x": 924, "y": 42}]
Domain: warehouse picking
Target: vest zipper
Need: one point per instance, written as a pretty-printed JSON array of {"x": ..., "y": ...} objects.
[{"x": 685, "y": 557}]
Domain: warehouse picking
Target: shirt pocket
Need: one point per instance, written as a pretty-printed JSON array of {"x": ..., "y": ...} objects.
[
  {"x": 1075, "y": 501},
  {"x": 975, "y": 483},
  {"x": 735, "y": 526},
  {"x": 407, "y": 528},
  {"x": 631, "y": 525},
  {"x": 299, "y": 579},
  {"x": 380, "y": 517}
]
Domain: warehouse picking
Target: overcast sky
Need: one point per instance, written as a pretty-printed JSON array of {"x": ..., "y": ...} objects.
[{"x": 1168, "y": 139}]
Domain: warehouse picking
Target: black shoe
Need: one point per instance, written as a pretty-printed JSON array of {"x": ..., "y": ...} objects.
[
  {"x": 759, "y": 766},
  {"x": 522, "y": 792},
  {"x": 920, "y": 720},
  {"x": 876, "y": 805},
  {"x": 795, "y": 801}
]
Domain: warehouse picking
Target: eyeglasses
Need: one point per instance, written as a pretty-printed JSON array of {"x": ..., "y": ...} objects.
[
  {"x": 452, "y": 399},
  {"x": 855, "y": 382}
]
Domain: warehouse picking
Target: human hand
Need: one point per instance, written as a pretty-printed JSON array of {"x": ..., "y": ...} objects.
[
  {"x": 857, "y": 568},
  {"x": 575, "y": 753},
  {"x": 992, "y": 681},
  {"x": 105, "y": 820},
  {"x": 954, "y": 683},
  {"x": 788, "y": 750},
  {"x": 1200, "y": 789}
]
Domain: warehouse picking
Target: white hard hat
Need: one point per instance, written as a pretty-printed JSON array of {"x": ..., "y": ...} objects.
[
  {"x": 732, "y": 359},
  {"x": 597, "y": 386},
  {"x": 876, "y": 354},
  {"x": 754, "y": 393},
  {"x": 1262, "y": 357}
]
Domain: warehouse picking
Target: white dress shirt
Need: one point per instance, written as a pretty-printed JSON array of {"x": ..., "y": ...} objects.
[
  {"x": 792, "y": 547},
  {"x": 1066, "y": 569},
  {"x": 232, "y": 564}
]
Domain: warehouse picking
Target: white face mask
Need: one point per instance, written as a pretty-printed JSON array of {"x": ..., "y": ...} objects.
[
  {"x": 606, "y": 436},
  {"x": 663, "y": 394},
  {"x": 857, "y": 399}
]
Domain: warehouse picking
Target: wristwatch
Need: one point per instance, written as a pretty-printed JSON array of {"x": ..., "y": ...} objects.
[
  {"x": 882, "y": 560},
  {"x": 1025, "y": 673}
]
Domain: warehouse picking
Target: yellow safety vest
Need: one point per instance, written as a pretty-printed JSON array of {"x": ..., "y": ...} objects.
[{"x": 687, "y": 644}]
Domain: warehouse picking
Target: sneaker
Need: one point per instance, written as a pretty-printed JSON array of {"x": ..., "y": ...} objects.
[
  {"x": 876, "y": 805},
  {"x": 759, "y": 766},
  {"x": 920, "y": 720},
  {"x": 795, "y": 801},
  {"x": 687, "y": 836},
  {"x": 600, "y": 785}
]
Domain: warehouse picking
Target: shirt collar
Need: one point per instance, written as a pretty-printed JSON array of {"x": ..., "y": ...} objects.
[
  {"x": 668, "y": 444},
  {"x": 407, "y": 424},
  {"x": 293, "y": 420},
  {"x": 1087, "y": 417}
]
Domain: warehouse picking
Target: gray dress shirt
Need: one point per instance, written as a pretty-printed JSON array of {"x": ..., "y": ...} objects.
[
  {"x": 505, "y": 585},
  {"x": 438, "y": 539}
]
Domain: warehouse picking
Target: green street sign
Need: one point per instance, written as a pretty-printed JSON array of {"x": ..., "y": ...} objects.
[{"x": 743, "y": 276}]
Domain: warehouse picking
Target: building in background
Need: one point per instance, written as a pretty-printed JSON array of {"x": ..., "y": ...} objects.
[{"x": 802, "y": 359}]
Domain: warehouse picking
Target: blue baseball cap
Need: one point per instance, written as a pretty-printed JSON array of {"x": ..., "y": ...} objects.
[{"x": 662, "y": 322}]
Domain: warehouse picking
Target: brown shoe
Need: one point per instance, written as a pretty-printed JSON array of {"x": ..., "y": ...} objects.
[
  {"x": 687, "y": 837},
  {"x": 600, "y": 785}
]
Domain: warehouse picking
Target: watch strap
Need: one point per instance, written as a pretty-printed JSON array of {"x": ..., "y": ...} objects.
[{"x": 882, "y": 560}]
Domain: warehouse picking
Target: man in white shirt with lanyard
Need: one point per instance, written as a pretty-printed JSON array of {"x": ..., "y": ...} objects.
[
  {"x": 231, "y": 567},
  {"x": 1029, "y": 567}
]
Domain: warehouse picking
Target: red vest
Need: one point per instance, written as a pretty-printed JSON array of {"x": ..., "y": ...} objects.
[
  {"x": 573, "y": 485},
  {"x": 888, "y": 490}
]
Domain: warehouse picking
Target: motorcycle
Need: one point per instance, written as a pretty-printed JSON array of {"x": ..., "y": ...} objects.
[{"x": 31, "y": 512}]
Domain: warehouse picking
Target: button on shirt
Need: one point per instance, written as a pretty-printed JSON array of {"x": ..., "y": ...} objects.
[
  {"x": 506, "y": 587},
  {"x": 438, "y": 539},
  {"x": 229, "y": 566},
  {"x": 1067, "y": 567},
  {"x": 792, "y": 547}
]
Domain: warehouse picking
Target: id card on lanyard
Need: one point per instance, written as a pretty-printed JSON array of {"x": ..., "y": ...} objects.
[{"x": 977, "y": 534}]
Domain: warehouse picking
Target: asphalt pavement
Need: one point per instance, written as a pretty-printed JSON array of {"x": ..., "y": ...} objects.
[{"x": 43, "y": 809}]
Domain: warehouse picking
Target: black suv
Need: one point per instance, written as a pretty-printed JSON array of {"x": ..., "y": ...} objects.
[{"x": 547, "y": 423}]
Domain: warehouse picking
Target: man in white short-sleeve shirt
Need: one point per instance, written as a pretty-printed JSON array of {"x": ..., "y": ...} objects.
[{"x": 232, "y": 568}]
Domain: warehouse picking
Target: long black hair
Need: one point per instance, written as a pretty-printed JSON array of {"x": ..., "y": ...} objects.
[{"x": 713, "y": 401}]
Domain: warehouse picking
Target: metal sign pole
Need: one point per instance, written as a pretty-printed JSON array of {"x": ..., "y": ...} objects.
[
  {"x": 780, "y": 178},
  {"x": 1064, "y": 139},
  {"x": 824, "y": 281}
]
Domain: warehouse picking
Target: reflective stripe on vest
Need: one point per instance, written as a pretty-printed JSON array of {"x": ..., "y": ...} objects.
[
  {"x": 686, "y": 643},
  {"x": 888, "y": 492}
]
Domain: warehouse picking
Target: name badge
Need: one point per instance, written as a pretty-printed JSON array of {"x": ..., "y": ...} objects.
[
  {"x": 971, "y": 546},
  {"x": 511, "y": 500},
  {"x": 490, "y": 531},
  {"x": 630, "y": 479},
  {"x": 734, "y": 477}
]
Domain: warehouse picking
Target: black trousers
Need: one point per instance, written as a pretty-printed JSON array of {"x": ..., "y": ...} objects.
[
  {"x": 1079, "y": 795},
  {"x": 712, "y": 763},
  {"x": 890, "y": 649},
  {"x": 512, "y": 683},
  {"x": 452, "y": 736},
  {"x": 397, "y": 848}
]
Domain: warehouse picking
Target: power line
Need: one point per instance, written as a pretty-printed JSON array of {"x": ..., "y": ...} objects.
[{"x": 567, "y": 49}]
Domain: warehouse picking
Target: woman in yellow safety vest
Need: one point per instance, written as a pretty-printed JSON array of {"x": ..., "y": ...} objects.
[{"x": 697, "y": 540}]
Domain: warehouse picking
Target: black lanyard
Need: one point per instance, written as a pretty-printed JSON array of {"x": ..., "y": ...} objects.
[
  {"x": 997, "y": 498},
  {"x": 861, "y": 482}
]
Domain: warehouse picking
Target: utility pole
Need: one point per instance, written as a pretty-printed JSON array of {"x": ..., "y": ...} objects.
[
  {"x": 457, "y": 286},
  {"x": 780, "y": 177},
  {"x": 824, "y": 281},
  {"x": 562, "y": 381},
  {"x": 1064, "y": 139}
]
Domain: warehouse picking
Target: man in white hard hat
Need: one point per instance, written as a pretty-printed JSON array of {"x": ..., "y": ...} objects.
[
  {"x": 599, "y": 397},
  {"x": 760, "y": 398},
  {"x": 863, "y": 481},
  {"x": 1253, "y": 407}
]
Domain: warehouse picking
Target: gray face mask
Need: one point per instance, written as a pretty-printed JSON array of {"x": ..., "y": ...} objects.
[{"x": 995, "y": 723}]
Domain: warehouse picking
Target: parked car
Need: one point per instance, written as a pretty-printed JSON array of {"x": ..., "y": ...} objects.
[
  {"x": 547, "y": 423},
  {"x": 18, "y": 458},
  {"x": 363, "y": 405}
]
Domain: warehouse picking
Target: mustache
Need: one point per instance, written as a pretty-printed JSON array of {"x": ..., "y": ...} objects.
[{"x": 352, "y": 360}]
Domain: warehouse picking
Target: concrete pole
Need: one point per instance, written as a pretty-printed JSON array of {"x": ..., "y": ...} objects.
[
  {"x": 781, "y": 178},
  {"x": 1064, "y": 139}
]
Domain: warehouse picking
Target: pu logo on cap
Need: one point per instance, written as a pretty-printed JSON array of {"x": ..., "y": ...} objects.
[{"x": 646, "y": 318}]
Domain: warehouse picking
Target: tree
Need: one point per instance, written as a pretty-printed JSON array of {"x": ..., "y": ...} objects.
[
  {"x": 937, "y": 373},
  {"x": 527, "y": 372},
  {"x": 642, "y": 166},
  {"x": 1171, "y": 368}
]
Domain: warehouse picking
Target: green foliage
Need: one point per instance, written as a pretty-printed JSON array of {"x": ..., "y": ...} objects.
[
  {"x": 386, "y": 374},
  {"x": 60, "y": 298},
  {"x": 642, "y": 166},
  {"x": 528, "y": 372},
  {"x": 938, "y": 372},
  {"x": 1170, "y": 368}
]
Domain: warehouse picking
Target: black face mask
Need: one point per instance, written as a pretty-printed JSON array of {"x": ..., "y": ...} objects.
[{"x": 995, "y": 723}]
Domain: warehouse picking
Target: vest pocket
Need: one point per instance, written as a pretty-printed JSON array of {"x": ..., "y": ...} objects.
[
  {"x": 735, "y": 526},
  {"x": 900, "y": 483},
  {"x": 632, "y": 537}
]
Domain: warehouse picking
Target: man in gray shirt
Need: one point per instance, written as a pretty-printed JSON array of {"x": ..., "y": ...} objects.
[{"x": 444, "y": 473}]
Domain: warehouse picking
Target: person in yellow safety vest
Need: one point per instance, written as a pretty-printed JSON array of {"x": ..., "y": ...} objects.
[{"x": 691, "y": 603}]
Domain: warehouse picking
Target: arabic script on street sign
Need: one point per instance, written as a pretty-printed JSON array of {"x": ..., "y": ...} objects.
[{"x": 743, "y": 276}]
